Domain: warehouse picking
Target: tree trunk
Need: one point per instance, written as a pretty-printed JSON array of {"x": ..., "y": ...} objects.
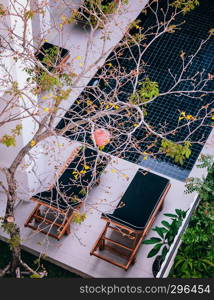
[
  {"x": 15, "y": 251},
  {"x": 12, "y": 228}
]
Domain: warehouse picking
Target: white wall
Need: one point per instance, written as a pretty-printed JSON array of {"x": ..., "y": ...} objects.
[{"x": 15, "y": 69}]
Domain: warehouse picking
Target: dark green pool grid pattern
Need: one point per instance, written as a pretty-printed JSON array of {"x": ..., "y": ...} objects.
[{"x": 164, "y": 55}]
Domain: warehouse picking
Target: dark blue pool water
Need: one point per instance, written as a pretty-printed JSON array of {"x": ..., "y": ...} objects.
[{"x": 163, "y": 55}]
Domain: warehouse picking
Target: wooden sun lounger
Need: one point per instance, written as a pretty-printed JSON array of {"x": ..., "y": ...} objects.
[
  {"x": 78, "y": 175},
  {"x": 132, "y": 218}
]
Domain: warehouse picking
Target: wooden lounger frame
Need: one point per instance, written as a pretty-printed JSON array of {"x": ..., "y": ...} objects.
[
  {"x": 136, "y": 236},
  {"x": 64, "y": 227}
]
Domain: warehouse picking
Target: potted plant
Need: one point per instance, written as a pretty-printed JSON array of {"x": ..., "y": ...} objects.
[
  {"x": 95, "y": 12},
  {"x": 166, "y": 237}
]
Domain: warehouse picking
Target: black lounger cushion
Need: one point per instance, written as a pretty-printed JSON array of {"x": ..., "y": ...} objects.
[
  {"x": 139, "y": 201},
  {"x": 77, "y": 179},
  {"x": 53, "y": 198}
]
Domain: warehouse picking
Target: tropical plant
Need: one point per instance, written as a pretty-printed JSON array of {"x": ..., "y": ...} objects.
[
  {"x": 200, "y": 237},
  {"x": 166, "y": 234},
  {"x": 200, "y": 233},
  {"x": 204, "y": 186}
]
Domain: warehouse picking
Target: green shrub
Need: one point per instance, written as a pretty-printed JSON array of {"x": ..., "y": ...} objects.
[
  {"x": 195, "y": 257},
  {"x": 166, "y": 234}
]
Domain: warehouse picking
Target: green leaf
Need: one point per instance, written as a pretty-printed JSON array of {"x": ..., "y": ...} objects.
[
  {"x": 188, "y": 153},
  {"x": 185, "y": 5},
  {"x": 153, "y": 240},
  {"x": 155, "y": 250},
  {"x": 147, "y": 91},
  {"x": 170, "y": 236},
  {"x": 164, "y": 251},
  {"x": 170, "y": 215},
  {"x": 8, "y": 140},
  {"x": 208, "y": 262},
  {"x": 17, "y": 130},
  {"x": 178, "y": 212},
  {"x": 160, "y": 231},
  {"x": 166, "y": 224}
]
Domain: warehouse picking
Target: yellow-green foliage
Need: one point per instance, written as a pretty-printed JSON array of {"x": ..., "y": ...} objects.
[
  {"x": 2, "y": 10},
  {"x": 10, "y": 140},
  {"x": 14, "y": 241},
  {"x": 51, "y": 56},
  {"x": 185, "y": 5},
  {"x": 35, "y": 276},
  {"x": 61, "y": 95},
  {"x": 94, "y": 10},
  {"x": 29, "y": 14},
  {"x": 79, "y": 218},
  {"x": 147, "y": 91},
  {"x": 177, "y": 152},
  {"x": 46, "y": 82}
]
